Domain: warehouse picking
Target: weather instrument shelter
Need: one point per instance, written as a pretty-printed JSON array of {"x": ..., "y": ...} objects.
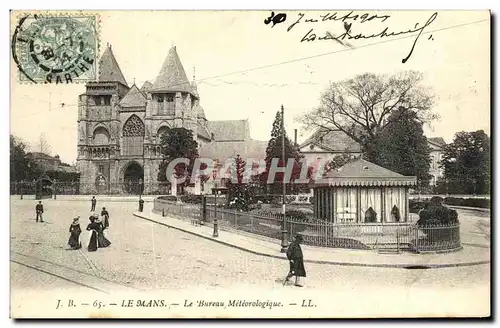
[{"x": 362, "y": 192}]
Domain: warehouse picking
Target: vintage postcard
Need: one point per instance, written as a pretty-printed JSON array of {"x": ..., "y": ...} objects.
[{"x": 250, "y": 164}]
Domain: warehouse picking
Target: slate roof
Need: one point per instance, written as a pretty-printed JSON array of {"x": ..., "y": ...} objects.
[
  {"x": 203, "y": 132},
  {"x": 360, "y": 172},
  {"x": 254, "y": 149},
  {"x": 146, "y": 86},
  {"x": 333, "y": 141},
  {"x": 134, "y": 98},
  {"x": 172, "y": 77},
  {"x": 200, "y": 112},
  {"x": 109, "y": 70},
  {"x": 438, "y": 141},
  {"x": 230, "y": 130}
]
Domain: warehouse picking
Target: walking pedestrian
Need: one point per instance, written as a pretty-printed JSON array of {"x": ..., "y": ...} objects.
[
  {"x": 93, "y": 203},
  {"x": 296, "y": 258},
  {"x": 74, "y": 237},
  {"x": 105, "y": 216},
  {"x": 39, "y": 211},
  {"x": 102, "y": 242},
  {"x": 92, "y": 228}
]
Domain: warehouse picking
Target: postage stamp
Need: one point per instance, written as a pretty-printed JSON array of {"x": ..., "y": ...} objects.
[{"x": 56, "y": 49}]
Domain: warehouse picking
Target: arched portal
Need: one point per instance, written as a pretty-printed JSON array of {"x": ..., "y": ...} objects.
[{"x": 133, "y": 178}]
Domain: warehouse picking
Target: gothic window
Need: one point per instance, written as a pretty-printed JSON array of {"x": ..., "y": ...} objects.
[
  {"x": 133, "y": 136},
  {"x": 134, "y": 127},
  {"x": 160, "y": 132},
  {"x": 101, "y": 136},
  {"x": 170, "y": 105},
  {"x": 97, "y": 100},
  {"x": 107, "y": 100}
]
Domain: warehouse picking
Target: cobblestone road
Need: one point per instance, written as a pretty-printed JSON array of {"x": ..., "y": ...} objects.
[{"x": 148, "y": 256}]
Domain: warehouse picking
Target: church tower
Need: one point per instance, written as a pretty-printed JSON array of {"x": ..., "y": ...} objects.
[
  {"x": 171, "y": 96},
  {"x": 99, "y": 126}
]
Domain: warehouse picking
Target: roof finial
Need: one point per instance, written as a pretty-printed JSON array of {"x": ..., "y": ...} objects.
[
  {"x": 194, "y": 73},
  {"x": 134, "y": 80}
]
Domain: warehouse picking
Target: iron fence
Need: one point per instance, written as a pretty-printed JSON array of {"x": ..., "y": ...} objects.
[{"x": 405, "y": 236}]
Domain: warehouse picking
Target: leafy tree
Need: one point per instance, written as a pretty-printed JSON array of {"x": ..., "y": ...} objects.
[
  {"x": 274, "y": 150},
  {"x": 466, "y": 163},
  {"x": 178, "y": 143},
  {"x": 402, "y": 147},
  {"x": 338, "y": 161},
  {"x": 361, "y": 106},
  {"x": 22, "y": 166},
  {"x": 240, "y": 192}
]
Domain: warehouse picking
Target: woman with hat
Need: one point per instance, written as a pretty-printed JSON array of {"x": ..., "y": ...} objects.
[
  {"x": 101, "y": 239},
  {"x": 296, "y": 258},
  {"x": 74, "y": 237},
  {"x": 92, "y": 228}
]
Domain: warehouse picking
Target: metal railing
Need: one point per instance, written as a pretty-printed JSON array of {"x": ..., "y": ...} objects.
[{"x": 405, "y": 236}]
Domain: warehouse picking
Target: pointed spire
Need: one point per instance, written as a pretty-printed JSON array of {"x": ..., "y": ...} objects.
[
  {"x": 109, "y": 70},
  {"x": 172, "y": 77},
  {"x": 194, "y": 86}
]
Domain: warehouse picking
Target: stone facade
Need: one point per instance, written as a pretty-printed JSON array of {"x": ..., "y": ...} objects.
[{"x": 119, "y": 127}]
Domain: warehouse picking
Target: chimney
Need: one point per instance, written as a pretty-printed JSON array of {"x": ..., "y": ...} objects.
[{"x": 295, "y": 136}]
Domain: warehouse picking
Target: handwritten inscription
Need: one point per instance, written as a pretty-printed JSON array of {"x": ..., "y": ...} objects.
[
  {"x": 351, "y": 28},
  {"x": 275, "y": 19}
]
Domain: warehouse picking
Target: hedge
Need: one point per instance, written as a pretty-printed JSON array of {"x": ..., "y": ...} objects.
[{"x": 468, "y": 202}]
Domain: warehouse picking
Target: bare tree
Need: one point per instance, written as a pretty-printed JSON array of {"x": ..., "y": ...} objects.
[
  {"x": 361, "y": 105},
  {"x": 42, "y": 149}
]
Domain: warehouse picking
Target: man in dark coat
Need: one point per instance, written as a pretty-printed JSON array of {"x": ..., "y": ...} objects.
[
  {"x": 296, "y": 258},
  {"x": 93, "y": 202},
  {"x": 105, "y": 215},
  {"x": 39, "y": 211}
]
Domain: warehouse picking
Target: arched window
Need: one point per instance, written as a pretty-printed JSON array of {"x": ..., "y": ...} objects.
[
  {"x": 395, "y": 214},
  {"x": 101, "y": 136},
  {"x": 160, "y": 132},
  {"x": 133, "y": 136}
]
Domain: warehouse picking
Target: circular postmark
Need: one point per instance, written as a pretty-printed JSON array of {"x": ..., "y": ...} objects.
[{"x": 55, "y": 49}]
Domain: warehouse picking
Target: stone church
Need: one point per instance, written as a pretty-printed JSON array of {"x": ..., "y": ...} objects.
[{"x": 119, "y": 127}]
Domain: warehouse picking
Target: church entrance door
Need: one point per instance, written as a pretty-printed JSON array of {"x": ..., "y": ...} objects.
[{"x": 133, "y": 179}]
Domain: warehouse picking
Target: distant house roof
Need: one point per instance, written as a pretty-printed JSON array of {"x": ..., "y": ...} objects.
[
  {"x": 437, "y": 141},
  {"x": 134, "y": 98},
  {"x": 231, "y": 130},
  {"x": 172, "y": 77},
  {"x": 40, "y": 155},
  {"x": 360, "y": 172},
  {"x": 109, "y": 70},
  {"x": 333, "y": 141}
]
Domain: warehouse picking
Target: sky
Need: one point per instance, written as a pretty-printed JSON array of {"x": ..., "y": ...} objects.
[{"x": 246, "y": 69}]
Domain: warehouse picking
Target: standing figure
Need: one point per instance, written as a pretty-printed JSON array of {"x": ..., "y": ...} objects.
[
  {"x": 294, "y": 255},
  {"x": 92, "y": 228},
  {"x": 93, "y": 202},
  {"x": 101, "y": 239},
  {"x": 39, "y": 211},
  {"x": 105, "y": 215},
  {"x": 74, "y": 237}
]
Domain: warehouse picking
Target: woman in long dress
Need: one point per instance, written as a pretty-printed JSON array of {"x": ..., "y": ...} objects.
[
  {"x": 92, "y": 228},
  {"x": 101, "y": 239},
  {"x": 74, "y": 237}
]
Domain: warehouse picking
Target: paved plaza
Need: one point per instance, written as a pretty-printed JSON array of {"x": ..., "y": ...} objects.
[{"x": 147, "y": 256}]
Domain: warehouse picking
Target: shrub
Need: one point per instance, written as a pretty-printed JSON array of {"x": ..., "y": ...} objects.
[
  {"x": 192, "y": 199},
  {"x": 468, "y": 202}
]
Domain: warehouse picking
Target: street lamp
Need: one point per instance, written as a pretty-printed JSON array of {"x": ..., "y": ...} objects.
[{"x": 284, "y": 242}]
